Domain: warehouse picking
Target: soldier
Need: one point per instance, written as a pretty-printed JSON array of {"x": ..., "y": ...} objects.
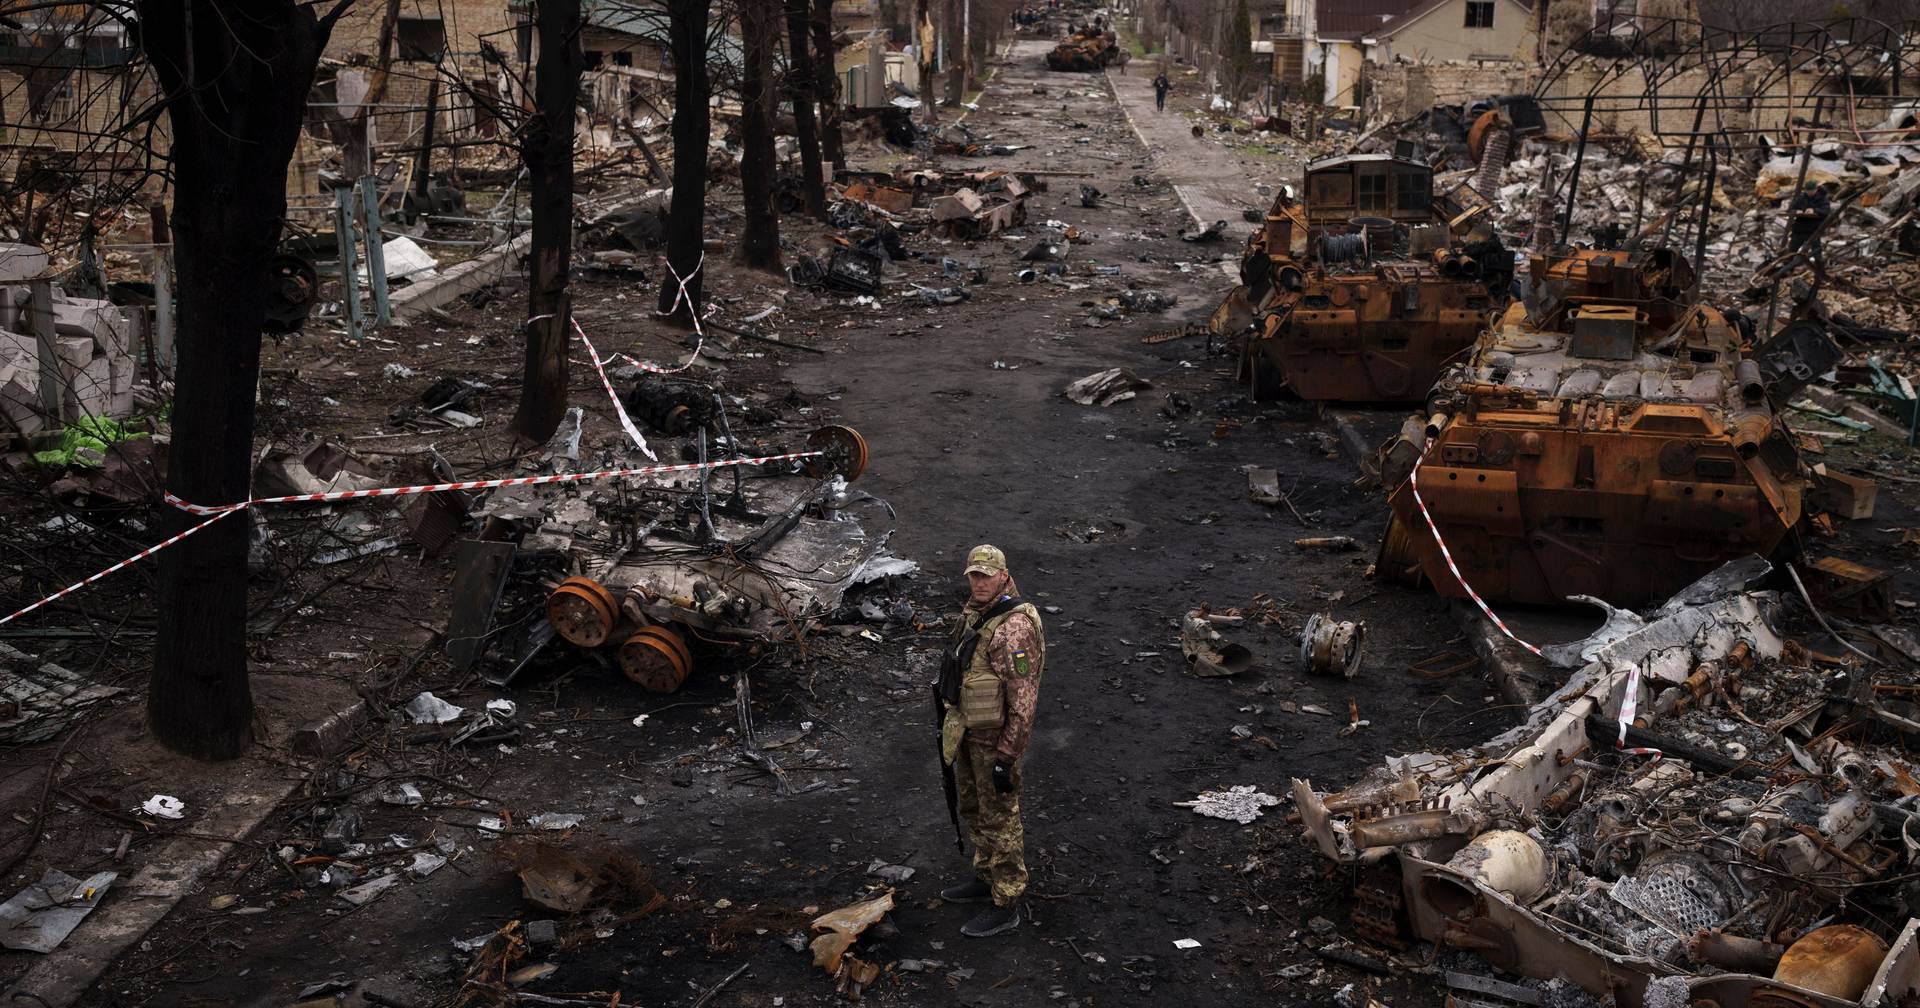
[{"x": 986, "y": 698}]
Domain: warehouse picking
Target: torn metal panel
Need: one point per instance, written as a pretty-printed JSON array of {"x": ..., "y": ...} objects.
[{"x": 1618, "y": 857}]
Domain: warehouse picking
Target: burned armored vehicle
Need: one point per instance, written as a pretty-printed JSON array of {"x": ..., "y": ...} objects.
[
  {"x": 1088, "y": 49},
  {"x": 1362, "y": 292},
  {"x": 1610, "y": 437}
]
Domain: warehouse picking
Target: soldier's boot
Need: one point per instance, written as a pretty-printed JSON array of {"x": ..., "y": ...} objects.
[
  {"x": 992, "y": 921},
  {"x": 971, "y": 891}
]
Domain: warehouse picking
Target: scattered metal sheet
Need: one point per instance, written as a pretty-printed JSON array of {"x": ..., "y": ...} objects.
[
  {"x": 480, "y": 576},
  {"x": 41, "y": 916}
]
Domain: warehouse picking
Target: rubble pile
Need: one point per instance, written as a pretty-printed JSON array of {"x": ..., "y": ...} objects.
[
  {"x": 1634, "y": 188},
  {"x": 1703, "y": 798},
  {"x": 93, "y": 346}
]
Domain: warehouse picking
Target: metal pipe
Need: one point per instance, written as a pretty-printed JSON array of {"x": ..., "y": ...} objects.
[
  {"x": 1573, "y": 181},
  {"x": 1806, "y": 161},
  {"x": 1706, "y": 208}
]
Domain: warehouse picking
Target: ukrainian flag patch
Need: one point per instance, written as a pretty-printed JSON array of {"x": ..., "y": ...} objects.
[{"x": 1021, "y": 666}]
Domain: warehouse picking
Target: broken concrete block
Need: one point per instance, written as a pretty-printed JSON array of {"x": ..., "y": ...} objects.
[
  {"x": 75, "y": 352},
  {"x": 20, "y": 262},
  {"x": 19, "y": 391},
  {"x": 124, "y": 370},
  {"x": 960, "y": 204},
  {"x": 103, "y": 322},
  {"x": 89, "y": 389}
]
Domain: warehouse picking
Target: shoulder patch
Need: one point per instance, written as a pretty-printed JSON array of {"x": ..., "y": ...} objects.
[{"x": 1022, "y": 665}]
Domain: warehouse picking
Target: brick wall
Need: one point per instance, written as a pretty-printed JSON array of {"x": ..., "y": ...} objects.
[{"x": 1399, "y": 90}]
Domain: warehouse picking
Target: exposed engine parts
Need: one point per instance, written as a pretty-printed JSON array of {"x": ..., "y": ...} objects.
[{"x": 1331, "y": 647}]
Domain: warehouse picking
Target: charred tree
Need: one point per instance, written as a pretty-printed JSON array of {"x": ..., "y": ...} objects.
[
  {"x": 235, "y": 76},
  {"x": 692, "y": 127},
  {"x": 801, "y": 91},
  {"x": 826, "y": 82},
  {"x": 759, "y": 33},
  {"x": 547, "y": 150}
]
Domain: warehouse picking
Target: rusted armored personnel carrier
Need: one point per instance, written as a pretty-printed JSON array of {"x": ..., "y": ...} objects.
[
  {"x": 1610, "y": 437},
  {"x": 1363, "y": 292},
  {"x": 1086, "y": 50}
]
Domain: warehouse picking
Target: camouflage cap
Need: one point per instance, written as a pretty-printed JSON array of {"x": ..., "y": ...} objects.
[{"x": 986, "y": 560}]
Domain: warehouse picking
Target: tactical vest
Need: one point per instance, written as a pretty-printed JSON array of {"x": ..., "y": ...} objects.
[{"x": 982, "y": 693}]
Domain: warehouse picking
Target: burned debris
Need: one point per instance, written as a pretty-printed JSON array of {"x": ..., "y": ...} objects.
[
  {"x": 1361, "y": 292},
  {"x": 1704, "y": 803},
  {"x": 1090, "y": 47},
  {"x": 1609, "y": 358}
]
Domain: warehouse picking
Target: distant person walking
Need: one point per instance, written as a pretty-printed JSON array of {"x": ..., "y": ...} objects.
[{"x": 1161, "y": 85}]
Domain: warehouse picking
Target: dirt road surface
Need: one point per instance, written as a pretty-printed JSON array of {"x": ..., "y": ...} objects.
[{"x": 1117, "y": 520}]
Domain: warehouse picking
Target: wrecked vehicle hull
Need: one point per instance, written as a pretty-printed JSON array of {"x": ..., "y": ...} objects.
[
  {"x": 1627, "y": 839},
  {"x": 1619, "y": 450},
  {"x": 1081, "y": 54},
  {"x": 1363, "y": 337},
  {"x": 1367, "y": 309}
]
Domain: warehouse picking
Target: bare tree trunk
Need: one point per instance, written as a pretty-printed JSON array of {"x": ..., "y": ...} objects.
[
  {"x": 826, "y": 81},
  {"x": 759, "y": 34},
  {"x": 236, "y": 75},
  {"x": 956, "y": 84},
  {"x": 692, "y": 127},
  {"x": 801, "y": 90},
  {"x": 923, "y": 50},
  {"x": 547, "y": 151}
]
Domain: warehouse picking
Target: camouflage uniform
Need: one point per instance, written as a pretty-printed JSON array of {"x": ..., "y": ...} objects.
[{"x": 1016, "y": 655}]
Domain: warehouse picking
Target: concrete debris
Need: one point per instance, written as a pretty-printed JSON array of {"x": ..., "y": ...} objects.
[
  {"x": 1104, "y": 388},
  {"x": 1592, "y": 868}
]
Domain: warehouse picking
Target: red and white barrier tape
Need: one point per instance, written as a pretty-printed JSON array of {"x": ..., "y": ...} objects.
[
  {"x": 1445, "y": 554},
  {"x": 619, "y": 408},
  {"x": 128, "y": 562},
  {"x": 1628, "y": 706},
  {"x": 215, "y": 512}
]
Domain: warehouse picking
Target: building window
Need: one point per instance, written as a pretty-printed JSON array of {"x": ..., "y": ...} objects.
[
  {"x": 1412, "y": 190},
  {"x": 1330, "y": 188},
  {"x": 422, "y": 39},
  {"x": 1479, "y": 15},
  {"x": 1615, "y": 16},
  {"x": 1371, "y": 192},
  {"x": 623, "y": 58}
]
